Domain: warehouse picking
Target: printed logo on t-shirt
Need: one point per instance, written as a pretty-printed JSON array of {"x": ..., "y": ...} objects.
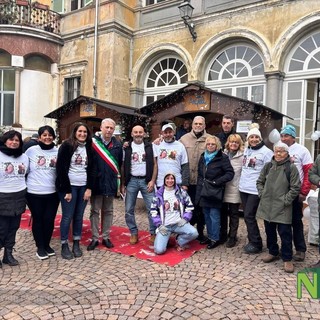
[
  {"x": 45, "y": 162},
  {"x": 168, "y": 154},
  {"x": 171, "y": 204},
  {"x": 79, "y": 160},
  {"x": 12, "y": 169},
  {"x": 137, "y": 157}
]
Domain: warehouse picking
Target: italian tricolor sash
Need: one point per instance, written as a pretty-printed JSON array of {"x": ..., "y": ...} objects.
[{"x": 105, "y": 154}]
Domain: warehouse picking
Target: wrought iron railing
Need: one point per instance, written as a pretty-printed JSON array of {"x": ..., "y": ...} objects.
[{"x": 24, "y": 13}]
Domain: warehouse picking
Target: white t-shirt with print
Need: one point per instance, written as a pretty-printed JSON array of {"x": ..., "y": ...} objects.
[
  {"x": 78, "y": 167},
  {"x": 12, "y": 173},
  {"x": 170, "y": 156},
  {"x": 42, "y": 172},
  {"x": 138, "y": 160},
  {"x": 300, "y": 156},
  {"x": 171, "y": 208}
]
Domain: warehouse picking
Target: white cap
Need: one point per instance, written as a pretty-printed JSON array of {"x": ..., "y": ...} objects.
[{"x": 167, "y": 126}]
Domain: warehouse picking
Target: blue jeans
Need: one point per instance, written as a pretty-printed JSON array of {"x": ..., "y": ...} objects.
[
  {"x": 134, "y": 186},
  {"x": 186, "y": 234},
  {"x": 72, "y": 211},
  {"x": 212, "y": 218}
]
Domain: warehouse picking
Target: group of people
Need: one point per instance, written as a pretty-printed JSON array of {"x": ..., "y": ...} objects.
[{"x": 188, "y": 184}]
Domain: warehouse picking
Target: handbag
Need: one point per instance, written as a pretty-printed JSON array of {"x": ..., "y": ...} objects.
[{"x": 211, "y": 191}]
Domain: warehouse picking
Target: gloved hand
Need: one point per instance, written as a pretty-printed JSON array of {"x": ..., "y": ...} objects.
[
  {"x": 163, "y": 230},
  {"x": 182, "y": 222}
]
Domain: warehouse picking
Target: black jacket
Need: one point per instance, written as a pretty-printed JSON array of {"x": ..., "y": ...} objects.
[
  {"x": 106, "y": 178},
  {"x": 219, "y": 170}
]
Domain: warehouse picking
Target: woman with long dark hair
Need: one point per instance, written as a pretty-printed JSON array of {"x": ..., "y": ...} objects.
[
  {"x": 75, "y": 179},
  {"x": 43, "y": 200},
  {"x": 13, "y": 166}
]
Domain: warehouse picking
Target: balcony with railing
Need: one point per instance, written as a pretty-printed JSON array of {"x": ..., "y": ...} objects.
[{"x": 34, "y": 15}]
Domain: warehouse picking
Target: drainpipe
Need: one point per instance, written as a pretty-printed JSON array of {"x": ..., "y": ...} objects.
[{"x": 95, "y": 51}]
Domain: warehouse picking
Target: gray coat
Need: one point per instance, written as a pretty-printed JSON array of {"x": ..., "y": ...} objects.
[{"x": 276, "y": 193}]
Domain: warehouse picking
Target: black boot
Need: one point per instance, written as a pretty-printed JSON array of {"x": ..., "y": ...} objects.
[
  {"x": 65, "y": 252},
  {"x": 8, "y": 258},
  {"x": 77, "y": 252}
]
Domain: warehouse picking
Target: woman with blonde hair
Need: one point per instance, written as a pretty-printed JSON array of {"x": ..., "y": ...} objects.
[
  {"x": 234, "y": 150},
  {"x": 214, "y": 171}
]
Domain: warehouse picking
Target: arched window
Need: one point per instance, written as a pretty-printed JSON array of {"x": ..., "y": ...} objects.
[
  {"x": 239, "y": 71},
  {"x": 307, "y": 55},
  {"x": 301, "y": 89},
  {"x": 37, "y": 62},
  {"x": 5, "y": 59},
  {"x": 165, "y": 76}
]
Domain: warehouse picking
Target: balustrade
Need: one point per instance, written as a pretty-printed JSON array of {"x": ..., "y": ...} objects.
[{"x": 24, "y": 13}]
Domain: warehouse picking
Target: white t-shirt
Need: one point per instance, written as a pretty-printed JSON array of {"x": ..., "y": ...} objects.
[
  {"x": 12, "y": 173},
  {"x": 253, "y": 162},
  {"x": 171, "y": 208},
  {"x": 170, "y": 157},
  {"x": 138, "y": 160},
  {"x": 42, "y": 172},
  {"x": 78, "y": 165},
  {"x": 300, "y": 156}
]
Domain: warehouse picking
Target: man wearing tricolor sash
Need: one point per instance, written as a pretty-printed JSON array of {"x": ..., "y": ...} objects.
[
  {"x": 139, "y": 174},
  {"x": 108, "y": 157}
]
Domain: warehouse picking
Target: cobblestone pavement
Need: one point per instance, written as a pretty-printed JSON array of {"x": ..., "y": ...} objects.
[{"x": 213, "y": 284}]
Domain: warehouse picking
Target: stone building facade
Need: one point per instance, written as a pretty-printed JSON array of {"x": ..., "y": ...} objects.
[{"x": 133, "y": 52}]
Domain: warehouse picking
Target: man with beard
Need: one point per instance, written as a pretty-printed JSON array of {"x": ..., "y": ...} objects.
[
  {"x": 140, "y": 172},
  {"x": 195, "y": 144},
  {"x": 172, "y": 158}
]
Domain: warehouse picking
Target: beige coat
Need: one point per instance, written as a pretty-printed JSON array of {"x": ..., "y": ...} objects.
[
  {"x": 232, "y": 194},
  {"x": 195, "y": 147}
]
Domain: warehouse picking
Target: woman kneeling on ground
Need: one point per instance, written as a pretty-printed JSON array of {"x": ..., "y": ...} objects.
[{"x": 171, "y": 211}]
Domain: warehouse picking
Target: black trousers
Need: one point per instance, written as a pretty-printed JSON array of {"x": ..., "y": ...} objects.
[
  {"x": 9, "y": 226},
  {"x": 250, "y": 204},
  {"x": 230, "y": 210},
  {"x": 43, "y": 210},
  {"x": 197, "y": 217},
  {"x": 285, "y": 233},
  {"x": 297, "y": 226}
]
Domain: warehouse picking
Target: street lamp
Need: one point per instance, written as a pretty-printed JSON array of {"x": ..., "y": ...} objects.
[{"x": 186, "y": 10}]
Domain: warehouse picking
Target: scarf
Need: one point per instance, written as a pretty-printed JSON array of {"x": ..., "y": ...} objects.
[
  {"x": 209, "y": 156},
  {"x": 11, "y": 152},
  {"x": 44, "y": 146}
]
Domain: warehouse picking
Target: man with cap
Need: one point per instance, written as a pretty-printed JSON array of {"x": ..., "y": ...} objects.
[
  {"x": 301, "y": 157},
  {"x": 195, "y": 144},
  {"x": 172, "y": 157}
]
